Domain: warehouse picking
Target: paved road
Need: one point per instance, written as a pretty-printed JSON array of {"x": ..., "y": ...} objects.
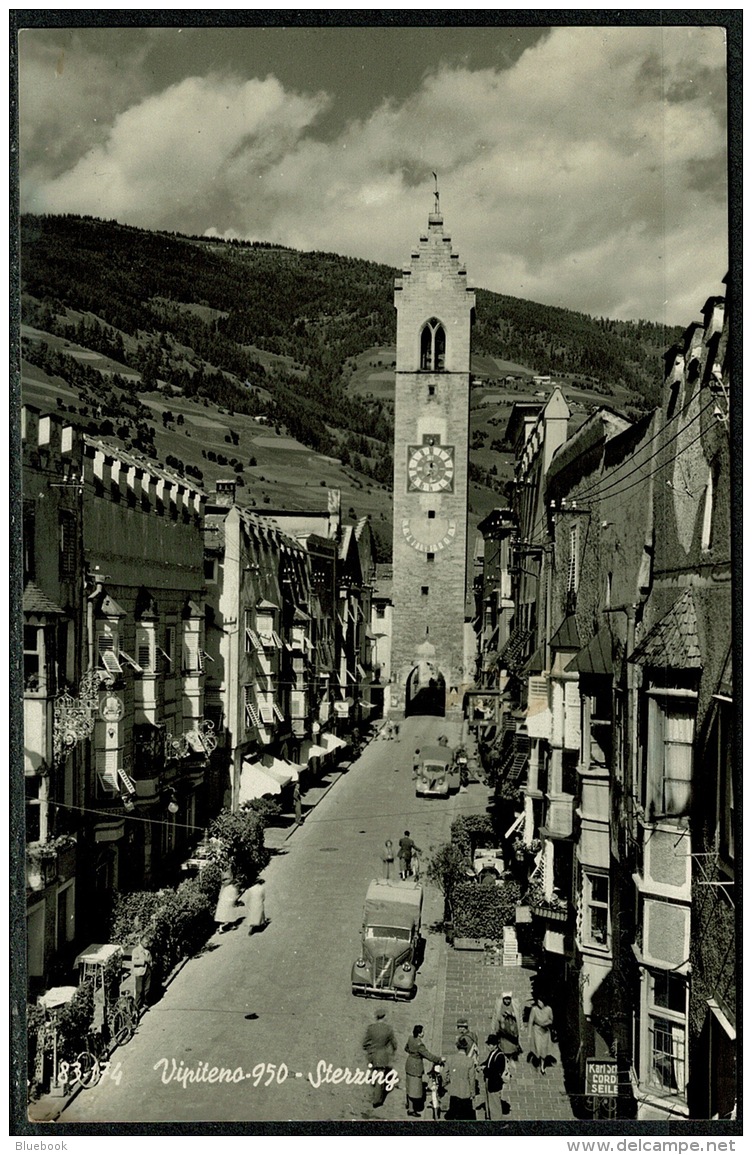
[{"x": 283, "y": 997}]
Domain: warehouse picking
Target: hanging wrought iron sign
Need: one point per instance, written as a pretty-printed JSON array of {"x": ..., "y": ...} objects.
[
  {"x": 198, "y": 740},
  {"x": 73, "y": 718}
]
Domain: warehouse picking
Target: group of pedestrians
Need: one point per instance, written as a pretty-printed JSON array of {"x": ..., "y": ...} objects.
[
  {"x": 408, "y": 857},
  {"x": 476, "y": 1087},
  {"x": 233, "y": 907}
]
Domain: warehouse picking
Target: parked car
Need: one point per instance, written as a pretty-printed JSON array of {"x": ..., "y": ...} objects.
[
  {"x": 488, "y": 863},
  {"x": 390, "y": 940},
  {"x": 433, "y": 772}
]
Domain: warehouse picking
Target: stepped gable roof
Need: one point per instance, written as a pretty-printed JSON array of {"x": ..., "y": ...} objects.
[
  {"x": 35, "y": 601},
  {"x": 264, "y": 524},
  {"x": 140, "y": 461},
  {"x": 597, "y": 656},
  {"x": 359, "y": 527},
  {"x": 672, "y": 644},
  {"x": 566, "y": 637},
  {"x": 600, "y": 426},
  {"x": 347, "y": 532}
]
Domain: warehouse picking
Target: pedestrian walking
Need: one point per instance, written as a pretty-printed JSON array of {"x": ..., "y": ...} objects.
[
  {"x": 228, "y": 909},
  {"x": 416, "y": 764},
  {"x": 255, "y": 906},
  {"x": 297, "y": 804},
  {"x": 379, "y": 1044},
  {"x": 417, "y": 1055},
  {"x": 462, "y": 1080},
  {"x": 389, "y": 731},
  {"x": 396, "y": 731},
  {"x": 507, "y": 1025},
  {"x": 141, "y": 963},
  {"x": 493, "y": 1068},
  {"x": 470, "y": 1037},
  {"x": 406, "y": 850},
  {"x": 541, "y": 1022},
  {"x": 387, "y": 857}
]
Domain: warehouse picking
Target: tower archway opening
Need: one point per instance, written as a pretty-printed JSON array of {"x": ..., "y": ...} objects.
[
  {"x": 433, "y": 346},
  {"x": 425, "y": 691}
]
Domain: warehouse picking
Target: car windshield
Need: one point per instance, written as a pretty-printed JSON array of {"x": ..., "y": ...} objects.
[{"x": 397, "y": 932}]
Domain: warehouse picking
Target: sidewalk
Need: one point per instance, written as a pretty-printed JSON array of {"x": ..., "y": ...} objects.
[
  {"x": 473, "y": 980},
  {"x": 472, "y": 986}
]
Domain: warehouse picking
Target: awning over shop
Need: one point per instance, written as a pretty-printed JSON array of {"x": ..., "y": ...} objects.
[
  {"x": 284, "y": 772},
  {"x": 332, "y": 742},
  {"x": 256, "y": 780},
  {"x": 312, "y": 750}
]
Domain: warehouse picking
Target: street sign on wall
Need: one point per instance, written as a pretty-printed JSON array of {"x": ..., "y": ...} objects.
[{"x": 601, "y": 1077}]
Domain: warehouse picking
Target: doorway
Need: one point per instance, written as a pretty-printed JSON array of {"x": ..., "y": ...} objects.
[{"x": 425, "y": 692}]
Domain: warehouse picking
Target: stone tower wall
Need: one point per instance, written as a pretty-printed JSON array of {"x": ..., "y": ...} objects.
[{"x": 431, "y": 404}]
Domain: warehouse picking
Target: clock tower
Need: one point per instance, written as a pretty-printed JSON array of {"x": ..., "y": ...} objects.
[{"x": 431, "y": 421}]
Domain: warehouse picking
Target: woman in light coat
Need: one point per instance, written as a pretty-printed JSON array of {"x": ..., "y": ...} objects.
[
  {"x": 541, "y": 1020},
  {"x": 254, "y": 900},
  {"x": 228, "y": 910}
]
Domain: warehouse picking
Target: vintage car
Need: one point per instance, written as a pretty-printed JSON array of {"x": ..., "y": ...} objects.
[
  {"x": 488, "y": 864},
  {"x": 433, "y": 772},
  {"x": 390, "y": 940}
]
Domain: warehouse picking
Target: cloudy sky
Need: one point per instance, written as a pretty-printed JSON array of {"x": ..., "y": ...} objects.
[{"x": 581, "y": 167}]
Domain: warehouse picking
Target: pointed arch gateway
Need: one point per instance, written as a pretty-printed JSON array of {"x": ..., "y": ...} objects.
[{"x": 425, "y": 691}]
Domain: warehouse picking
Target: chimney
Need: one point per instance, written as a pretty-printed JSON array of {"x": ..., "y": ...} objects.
[{"x": 225, "y": 493}]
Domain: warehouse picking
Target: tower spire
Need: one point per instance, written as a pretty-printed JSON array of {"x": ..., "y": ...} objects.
[{"x": 436, "y": 205}]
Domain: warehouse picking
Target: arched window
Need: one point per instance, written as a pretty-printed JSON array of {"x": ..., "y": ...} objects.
[{"x": 433, "y": 345}]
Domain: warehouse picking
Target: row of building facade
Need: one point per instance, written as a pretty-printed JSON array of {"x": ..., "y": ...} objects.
[
  {"x": 180, "y": 654},
  {"x": 604, "y": 618}
]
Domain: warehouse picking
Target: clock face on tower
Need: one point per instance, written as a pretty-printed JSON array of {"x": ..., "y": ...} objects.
[
  {"x": 429, "y": 536},
  {"x": 430, "y": 467}
]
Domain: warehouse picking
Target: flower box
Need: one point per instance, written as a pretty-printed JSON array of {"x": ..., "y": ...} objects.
[{"x": 553, "y": 913}]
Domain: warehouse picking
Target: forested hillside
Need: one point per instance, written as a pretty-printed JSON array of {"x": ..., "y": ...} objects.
[{"x": 132, "y": 321}]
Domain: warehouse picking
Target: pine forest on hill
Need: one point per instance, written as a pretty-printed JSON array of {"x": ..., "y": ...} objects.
[{"x": 277, "y": 366}]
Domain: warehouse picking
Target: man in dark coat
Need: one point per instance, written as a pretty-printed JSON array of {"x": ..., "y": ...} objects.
[
  {"x": 380, "y": 1044},
  {"x": 407, "y": 849},
  {"x": 493, "y": 1068}
]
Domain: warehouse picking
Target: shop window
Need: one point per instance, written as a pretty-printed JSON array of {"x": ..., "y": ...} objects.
[
  {"x": 596, "y": 898},
  {"x": 668, "y": 776},
  {"x": 667, "y": 1032},
  {"x": 33, "y": 639}
]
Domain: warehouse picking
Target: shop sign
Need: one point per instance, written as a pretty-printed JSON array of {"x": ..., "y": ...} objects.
[
  {"x": 601, "y": 1077},
  {"x": 112, "y": 708}
]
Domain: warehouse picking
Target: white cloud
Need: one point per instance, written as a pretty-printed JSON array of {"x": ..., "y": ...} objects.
[{"x": 589, "y": 175}]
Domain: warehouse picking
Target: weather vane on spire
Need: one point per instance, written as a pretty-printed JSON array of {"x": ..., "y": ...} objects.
[{"x": 436, "y": 207}]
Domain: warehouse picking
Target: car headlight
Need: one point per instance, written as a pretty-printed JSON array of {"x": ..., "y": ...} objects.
[
  {"x": 360, "y": 963},
  {"x": 407, "y": 966}
]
